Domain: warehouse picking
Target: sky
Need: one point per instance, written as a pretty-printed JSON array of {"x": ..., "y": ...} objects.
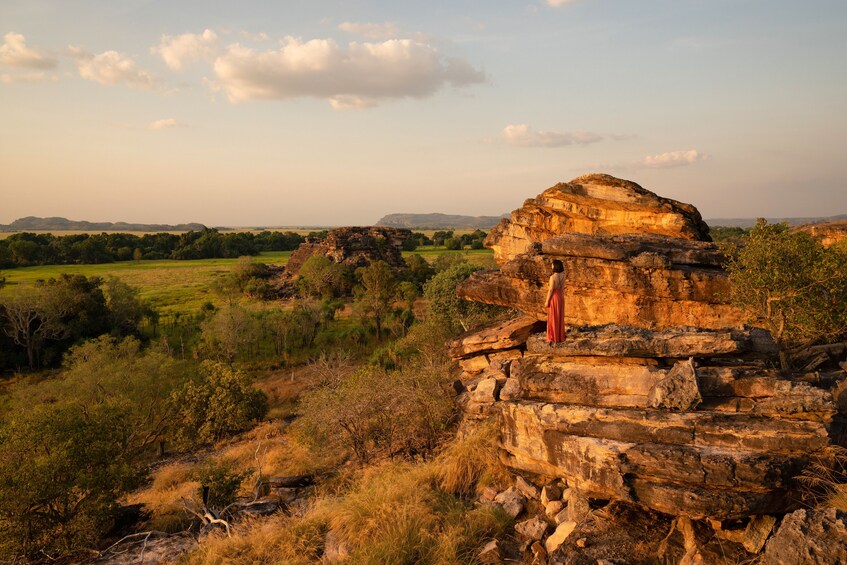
[{"x": 321, "y": 113}]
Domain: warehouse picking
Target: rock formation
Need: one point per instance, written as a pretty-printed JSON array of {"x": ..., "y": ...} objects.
[
  {"x": 353, "y": 247},
  {"x": 594, "y": 205},
  {"x": 828, "y": 233},
  {"x": 657, "y": 397}
]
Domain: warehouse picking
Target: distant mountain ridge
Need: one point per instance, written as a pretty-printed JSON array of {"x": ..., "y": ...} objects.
[
  {"x": 34, "y": 223},
  {"x": 439, "y": 221},
  {"x": 750, "y": 222}
]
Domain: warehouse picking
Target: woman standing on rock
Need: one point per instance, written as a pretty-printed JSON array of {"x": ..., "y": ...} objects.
[{"x": 556, "y": 303}]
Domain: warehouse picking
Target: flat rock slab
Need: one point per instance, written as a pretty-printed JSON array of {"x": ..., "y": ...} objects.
[
  {"x": 613, "y": 340},
  {"x": 494, "y": 337}
]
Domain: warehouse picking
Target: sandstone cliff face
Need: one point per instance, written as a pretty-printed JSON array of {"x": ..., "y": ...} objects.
[
  {"x": 597, "y": 205},
  {"x": 657, "y": 396}
]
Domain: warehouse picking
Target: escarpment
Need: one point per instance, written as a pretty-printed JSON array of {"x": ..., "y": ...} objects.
[{"x": 658, "y": 395}]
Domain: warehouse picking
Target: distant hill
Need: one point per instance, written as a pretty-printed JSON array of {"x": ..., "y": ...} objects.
[
  {"x": 750, "y": 222},
  {"x": 33, "y": 223},
  {"x": 439, "y": 221}
]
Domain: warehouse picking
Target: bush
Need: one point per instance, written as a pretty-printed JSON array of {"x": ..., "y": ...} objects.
[
  {"x": 62, "y": 469},
  {"x": 797, "y": 287},
  {"x": 221, "y": 479},
  {"x": 449, "y": 309},
  {"x": 220, "y": 403}
]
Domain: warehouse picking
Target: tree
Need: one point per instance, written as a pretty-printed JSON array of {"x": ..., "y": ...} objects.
[
  {"x": 32, "y": 316},
  {"x": 379, "y": 288},
  {"x": 320, "y": 277},
  {"x": 231, "y": 331},
  {"x": 793, "y": 284},
  {"x": 137, "y": 255},
  {"x": 126, "y": 308},
  {"x": 418, "y": 270}
]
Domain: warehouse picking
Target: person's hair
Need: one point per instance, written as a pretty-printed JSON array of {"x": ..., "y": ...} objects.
[{"x": 557, "y": 266}]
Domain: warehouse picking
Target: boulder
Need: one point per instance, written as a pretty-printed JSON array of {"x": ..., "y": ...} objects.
[
  {"x": 593, "y": 204},
  {"x": 678, "y": 390},
  {"x": 550, "y": 493},
  {"x": 527, "y": 489},
  {"x": 558, "y": 537},
  {"x": 534, "y": 528},
  {"x": 490, "y": 554},
  {"x": 511, "y": 501},
  {"x": 807, "y": 537}
]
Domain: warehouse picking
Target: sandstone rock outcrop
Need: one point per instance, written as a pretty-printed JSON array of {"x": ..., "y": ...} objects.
[
  {"x": 593, "y": 204},
  {"x": 657, "y": 396},
  {"x": 353, "y": 247},
  {"x": 828, "y": 233}
]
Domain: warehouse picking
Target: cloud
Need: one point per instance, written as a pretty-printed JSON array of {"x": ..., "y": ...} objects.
[
  {"x": 670, "y": 159},
  {"x": 371, "y": 30},
  {"x": 109, "y": 68},
  {"x": 523, "y": 136},
  {"x": 21, "y": 78},
  {"x": 165, "y": 123},
  {"x": 15, "y": 53},
  {"x": 358, "y": 75},
  {"x": 557, "y": 3},
  {"x": 178, "y": 51}
]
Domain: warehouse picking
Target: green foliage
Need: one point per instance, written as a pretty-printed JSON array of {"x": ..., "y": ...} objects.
[
  {"x": 449, "y": 309},
  {"x": 223, "y": 482},
  {"x": 230, "y": 333},
  {"x": 378, "y": 290},
  {"x": 418, "y": 271},
  {"x": 453, "y": 243},
  {"x": 220, "y": 403},
  {"x": 126, "y": 308},
  {"x": 736, "y": 235},
  {"x": 792, "y": 283},
  {"x": 320, "y": 277},
  {"x": 62, "y": 468}
]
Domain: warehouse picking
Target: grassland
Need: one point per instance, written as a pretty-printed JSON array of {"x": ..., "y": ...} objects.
[{"x": 181, "y": 287}]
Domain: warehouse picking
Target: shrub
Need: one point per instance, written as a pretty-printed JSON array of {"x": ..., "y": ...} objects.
[
  {"x": 449, "y": 309},
  {"x": 221, "y": 402},
  {"x": 221, "y": 480}
]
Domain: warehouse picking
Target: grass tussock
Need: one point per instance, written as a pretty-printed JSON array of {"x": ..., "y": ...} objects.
[
  {"x": 471, "y": 463},
  {"x": 825, "y": 479},
  {"x": 162, "y": 498}
]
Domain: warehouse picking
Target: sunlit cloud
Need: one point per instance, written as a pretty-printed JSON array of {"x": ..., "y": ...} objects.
[
  {"x": 110, "y": 68},
  {"x": 358, "y": 75},
  {"x": 522, "y": 135},
  {"x": 15, "y": 53},
  {"x": 371, "y": 30},
  {"x": 671, "y": 159},
  {"x": 165, "y": 123},
  {"x": 557, "y": 3},
  {"x": 180, "y": 50},
  {"x": 24, "y": 78}
]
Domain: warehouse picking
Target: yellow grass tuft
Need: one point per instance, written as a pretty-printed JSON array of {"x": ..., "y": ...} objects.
[
  {"x": 471, "y": 463},
  {"x": 162, "y": 498}
]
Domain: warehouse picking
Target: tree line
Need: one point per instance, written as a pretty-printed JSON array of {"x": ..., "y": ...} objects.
[{"x": 28, "y": 249}]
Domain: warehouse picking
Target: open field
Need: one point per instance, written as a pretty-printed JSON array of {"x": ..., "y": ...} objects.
[
  {"x": 171, "y": 286},
  {"x": 182, "y": 286}
]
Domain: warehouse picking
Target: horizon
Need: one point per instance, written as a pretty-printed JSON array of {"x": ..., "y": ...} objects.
[{"x": 327, "y": 114}]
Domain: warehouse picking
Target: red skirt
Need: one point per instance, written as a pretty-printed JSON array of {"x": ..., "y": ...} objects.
[{"x": 556, "y": 316}]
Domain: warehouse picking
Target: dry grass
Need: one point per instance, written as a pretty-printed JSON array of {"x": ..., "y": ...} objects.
[
  {"x": 825, "y": 479},
  {"x": 394, "y": 514},
  {"x": 471, "y": 463},
  {"x": 162, "y": 498}
]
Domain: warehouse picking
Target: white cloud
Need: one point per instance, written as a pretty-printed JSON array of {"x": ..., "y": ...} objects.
[
  {"x": 371, "y": 30},
  {"x": 358, "y": 75},
  {"x": 165, "y": 123},
  {"x": 671, "y": 159},
  {"x": 557, "y": 3},
  {"x": 110, "y": 67},
  {"x": 178, "y": 51},
  {"x": 522, "y": 135},
  {"x": 15, "y": 53}
]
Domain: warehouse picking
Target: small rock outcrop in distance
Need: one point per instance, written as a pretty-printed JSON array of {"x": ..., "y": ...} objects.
[
  {"x": 658, "y": 396},
  {"x": 828, "y": 233},
  {"x": 594, "y": 204},
  {"x": 353, "y": 247}
]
